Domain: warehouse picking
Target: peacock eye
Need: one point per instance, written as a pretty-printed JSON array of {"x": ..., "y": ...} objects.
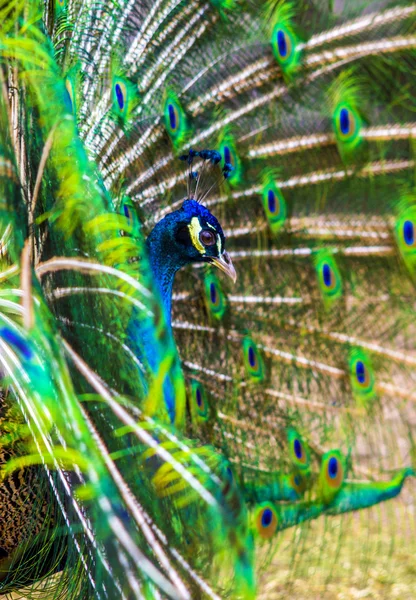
[{"x": 208, "y": 238}]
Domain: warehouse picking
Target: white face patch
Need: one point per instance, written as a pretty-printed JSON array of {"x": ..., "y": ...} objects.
[
  {"x": 194, "y": 230},
  {"x": 219, "y": 245},
  {"x": 218, "y": 239}
]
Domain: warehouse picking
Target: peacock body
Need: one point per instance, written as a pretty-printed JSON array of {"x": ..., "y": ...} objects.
[{"x": 166, "y": 429}]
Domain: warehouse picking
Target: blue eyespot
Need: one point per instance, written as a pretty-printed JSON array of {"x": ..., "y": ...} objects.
[
  {"x": 215, "y": 298},
  {"x": 274, "y": 204},
  {"x": 281, "y": 43},
  {"x": 362, "y": 377},
  {"x": 232, "y": 168},
  {"x": 344, "y": 121},
  {"x": 119, "y": 96},
  {"x": 360, "y": 371},
  {"x": 297, "y": 480},
  {"x": 266, "y": 521},
  {"x": 199, "y": 403},
  {"x": 271, "y": 200},
  {"x": 175, "y": 121},
  {"x": 285, "y": 47},
  {"x": 172, "y": 116},
  {"x": 327, "y": 275},
  {"x": 332, "y": 467},
  {"x": 297, "y": 446},
  {"x": 347, "y": 124},
  {"x": 213, "y": 293},
  {"x": 251, "y": 357},
  {"x": 267, "y": 517},
  {"x": 253, "y": 360},
  {"x": 408, "y": 233},
  {"x": 198, "y": 397},
  {"x": 227, "y": 155}
]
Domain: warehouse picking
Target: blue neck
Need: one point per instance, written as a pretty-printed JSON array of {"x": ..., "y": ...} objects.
[
  {"x": 164, "y": 267},
  {"x": 143, "y": 338}
]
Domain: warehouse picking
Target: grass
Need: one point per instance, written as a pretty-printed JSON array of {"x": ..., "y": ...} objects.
[{"x": 345, "y": 558}]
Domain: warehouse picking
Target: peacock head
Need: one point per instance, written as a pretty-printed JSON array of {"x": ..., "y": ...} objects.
[{"x": 190, "y": 235}]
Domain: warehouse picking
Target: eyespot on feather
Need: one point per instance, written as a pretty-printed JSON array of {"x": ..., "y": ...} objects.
[
  {"x": 175, "y": 119},
  {"x": 298, "y": 450},
  {"x": 405, "y": 233},
  {"x": 298, "y": 483},
  {"x": 362, "y": 377},
  {"x": 347, "y": 125},
  {"x": 199, "y": 403},
  {"x": 253, "y": 360},
  {"x": 329, "y": 276},
  {"x": 125, "y": 98},
  {"x": 274, "y": 204},
  {"x": 332, "y": 475},
  {"x": 284, "y": 42},
  {"x": 230, "y": 157},
  {"x": 265, "y": 520},
  {"x": 215, "y": 298}
]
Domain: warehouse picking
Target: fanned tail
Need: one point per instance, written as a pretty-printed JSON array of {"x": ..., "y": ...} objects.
[{"x": 98, "y": 446}]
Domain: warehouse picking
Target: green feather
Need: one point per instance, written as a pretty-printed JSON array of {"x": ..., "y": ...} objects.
[
  {"x": 274, "y": 203},
  {"x": 199, "y": 403},
  {"x": 253, "y": 360},
  {"x": 331, "y": 476},
  {"x": 405, "y": 231},
  {"x": 345, "y": 97},
  {"x": 228, "y": 150},
  {"x": 125, "y": 98},
  {"x": 284, "y": 41},
  {"x": 298, "y": 451},
  {"x": 329, "y": 276},
  {"x": 176, "y": 121},
  {"x": 215, "y": 298},
  {"x": 362, "y": 377}
]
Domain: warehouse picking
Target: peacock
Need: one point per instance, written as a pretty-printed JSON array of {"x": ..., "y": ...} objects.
[{"x": 207, "y": 283}]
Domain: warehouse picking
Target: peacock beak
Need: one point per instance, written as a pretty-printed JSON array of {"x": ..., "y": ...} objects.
[{"x": 225, "y": 264}]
